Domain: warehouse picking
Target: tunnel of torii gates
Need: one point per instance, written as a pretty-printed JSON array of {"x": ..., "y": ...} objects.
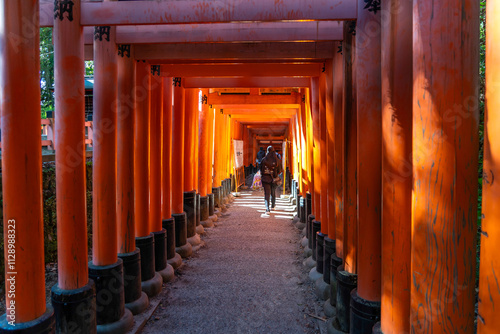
[{"x": 379, "y": 105}]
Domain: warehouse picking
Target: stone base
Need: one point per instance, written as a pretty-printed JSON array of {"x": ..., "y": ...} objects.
[
  {"x": 176, "y": 261},
  {"x": 310, "y": 263},
  {"x": 304, "y": 231},
  {"x": 167, "y": 274},
  {"x": 140, "y": 305},
  {"x": 121, "y": 326},
  {"x": 200, "y": 229},
  {"x": 45, "y": 324},
  {"x": 314, "y": 275},
  {"x": 308, "y": 252},
  {"x": 322, "y": 289},
  {"x": 184, "y": 251},
  {"x": 195, "y": 240},
  {"x": 223, "y": 209},
  {"x": 304, "y": 242},
  {"x": 295, "y": 220},
  {"x": 213, "y": 218},
  {"x": 332, "y": 327},
  {"x": 218, "y": 213},
  {"x": 330, "y": 311},
  {"x": 153, "y": 286},
  {"x": 300, "y": 226},
  {"x": 207, "y": 223}
]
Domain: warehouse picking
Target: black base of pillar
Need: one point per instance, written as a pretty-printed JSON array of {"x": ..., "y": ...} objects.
[
  {"x": 190, "y": 210},
  {"x": 216, "y": 194},
  {"x": 299, "y": 213},
  {"x": 335, "y": 263},
  {"x": 346, "y": 282},
  {"x": 45, "y": 324},
  {"x": 328, "y": 251},
  {"x": 111, "y": 314},
  {"x": 161, "y": 266},
  {"x": 151, "y": 282},
  {"x": 204, "y": 210},
  {"x": 309, "y": 233},
  {"x": 160, "y": 243},
  {"x": 308, "y": 204},
  {"x": 364, "y": 314},
  {"x": 182, "y": 247},
  {"x": 135, "y": 300},
  {"x": 173, "y": 258},
  {"x": 211, "y": 205},
  {"x": 75, "y": 309},
  {"x": 316, "y": 227},
  {"x": 320, "y": 252},
  {"x": 198, "y": 210}
]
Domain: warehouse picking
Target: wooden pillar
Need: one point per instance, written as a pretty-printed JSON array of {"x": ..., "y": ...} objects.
[
  {"x": 210, "y": 160},
  {"x": 304, "y": 182},
  {"x": 350, "y": 117},
  {"x": 191, "y": 106},
  {"x": 104, "y": 232},
  {"x": 323, "y": 156},
  {"x": 178, "y": 122},
  {"x": 396, "y": 166},
  {"x": 21, "y": 163},
  {"x": 203, "y": 144},
  {"x": 141, "y": 147},
  {"x": 196, "y": 136},
  {"x": 310, "y": 145},
  {"x": 217, "y": 149},
  {"x": 488, "y": 320},
  {"x": 69, "y": 71},
  {"x": 155, "y": 142},
  {"x": 330, "y": 144},
  {"x": 339, "y": 151},
  {"x": 316, "y": 149},
  {"x": 125, "y": 213},
  {"x": 445, "y": 164},
  {"x": 167, "y": 149}
]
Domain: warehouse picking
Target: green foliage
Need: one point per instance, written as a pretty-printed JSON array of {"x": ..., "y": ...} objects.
[{"x": 46, "y": 70}]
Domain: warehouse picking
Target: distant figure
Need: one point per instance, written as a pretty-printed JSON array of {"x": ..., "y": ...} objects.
[
  {"x": 260, "y": 155},
  {"x": 270, "y": 169}
]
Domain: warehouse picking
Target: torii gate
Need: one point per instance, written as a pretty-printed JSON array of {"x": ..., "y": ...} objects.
[{"x": 394, "y": 117}]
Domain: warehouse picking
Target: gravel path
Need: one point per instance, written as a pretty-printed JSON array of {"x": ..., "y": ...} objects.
[{"x": 248, "y": 278}]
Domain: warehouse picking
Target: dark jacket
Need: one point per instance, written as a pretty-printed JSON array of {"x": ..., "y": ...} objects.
[
  {"x": 260, "y": 155},
  {"x": 270, "y": 167}
]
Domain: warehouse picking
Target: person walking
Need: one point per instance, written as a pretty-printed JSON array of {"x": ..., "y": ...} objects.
[{"x": 269, "y": 169}]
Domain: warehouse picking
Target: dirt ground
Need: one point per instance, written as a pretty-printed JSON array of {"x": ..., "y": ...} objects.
[{"x": 248, "y": 279}]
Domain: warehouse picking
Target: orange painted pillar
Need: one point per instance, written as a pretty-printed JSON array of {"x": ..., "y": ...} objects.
[
  {"x": 445, "y": 164},
  {"x": 210, "y": 160},
  {"x": 323, "y": 156},
  {"x": 316, "y": 148},
  {"x": 189, "y": 139},
  {"x": 111, "y": 308},
  {"x": 488, "y": 320},
  {"x": 104, "y": 153},
  {"x": 196, "y": 136},
  {"x": 125, "y": 171},
  {"x": 155, "y": 139},
  {"x": 217, "y": 149},
  {"x": 141, "y": 143},
  {"x": 338, "y": 143},
  {"x": 203, "y": 117},
  {"x": 303, "y": 144},
  {"x": 125, "y": 214},
  {"x": 21, "y": 163},
  {"x": 203, "y": 160},
  {"x": 396, "y": 167},
  {"x": 167, "y": 149},
  {"x": 369, "y": 133},
  {"x": 178, "y": 121},
  {"x": 182, "y": 247},
  {"x": 346, "y": 276}
]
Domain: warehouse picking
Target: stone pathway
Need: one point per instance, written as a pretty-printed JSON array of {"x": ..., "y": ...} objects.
[{"x": 247, "y": 279}]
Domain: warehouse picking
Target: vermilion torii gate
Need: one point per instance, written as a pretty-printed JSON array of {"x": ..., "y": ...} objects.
[{"x": 379, "y": 101}]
